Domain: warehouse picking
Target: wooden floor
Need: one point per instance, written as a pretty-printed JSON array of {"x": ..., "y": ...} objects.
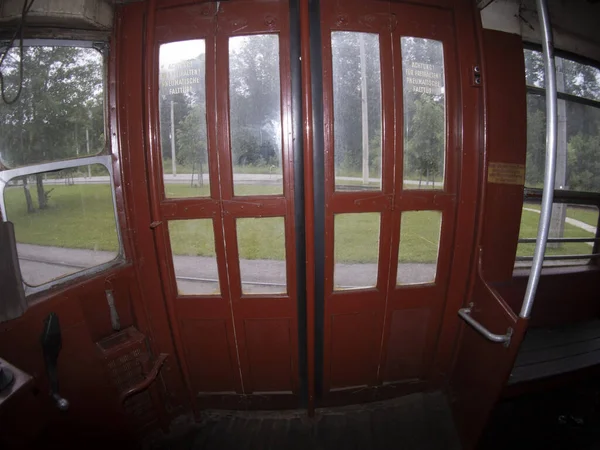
[
  {"x": 419, "y": 421},
  {"x": 566, "y": 418}
]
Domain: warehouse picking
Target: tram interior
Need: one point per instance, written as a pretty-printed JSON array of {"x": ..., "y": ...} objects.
[{"x": 300, "y": 224}]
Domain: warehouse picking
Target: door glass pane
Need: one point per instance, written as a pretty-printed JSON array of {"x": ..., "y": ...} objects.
[
  {"x": 182, "y": 104},
  {"x": 357, "y": 110},
  {"x": 261, "y": 246},
  {"x": 64, "y": 222},
  {"x": 255, "y": 114},
  {"x": 194, "y": 258},
  {"x": 424, "y": 118},
  {"x": 356, "y": 250},
  {"x": 419, "y": 247}
]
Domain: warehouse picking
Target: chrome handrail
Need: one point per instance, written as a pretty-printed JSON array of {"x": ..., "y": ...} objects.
[
  {"x": 465, "y": 314},
  {"x": 551, "y": 136}
]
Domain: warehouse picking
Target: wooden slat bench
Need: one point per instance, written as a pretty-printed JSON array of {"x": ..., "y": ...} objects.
[{"x": 548, "y": 352}]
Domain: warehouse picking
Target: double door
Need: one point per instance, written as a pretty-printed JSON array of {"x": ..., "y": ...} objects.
[{"x": 229, "y": 228}]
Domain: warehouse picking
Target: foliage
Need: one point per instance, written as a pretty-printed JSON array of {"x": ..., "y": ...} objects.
[
  {"x": 59, "y": 113},
  {"x": 582, "y": 126},
  {"x": 584, "y": 162},
  {"x": 425, "y": 146},
  {"x": 62, "y": 96}
]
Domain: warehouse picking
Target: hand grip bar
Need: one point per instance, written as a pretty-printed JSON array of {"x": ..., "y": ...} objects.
[
  {"x": 147, "y": 381},
  {"x": 465, "y": 314}
]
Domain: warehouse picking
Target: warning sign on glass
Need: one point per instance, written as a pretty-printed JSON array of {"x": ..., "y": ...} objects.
[{"x": 423, "y": 78}]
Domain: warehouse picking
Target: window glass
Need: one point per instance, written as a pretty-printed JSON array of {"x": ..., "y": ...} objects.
[
  {"x": 578, "y": 145},
  {"x": 419, "y": 247},
  {"x": 356, "y": 250},
  {"x": 424, "y": 113},
  {"x": 60, "y": 111},
  {"x": 581, "y": 80},
  {"x": 194, "y": 257},
  {"x": 64, "y": 222},
  {"x": 182, "y": 104},
  {"x": 577, "y": 162},
  {"x": 255, "y": 114},
  {"x": 357, "y": 110},
  {"x": 568, "y": 221},
  {"x": 261, "y": 246}
]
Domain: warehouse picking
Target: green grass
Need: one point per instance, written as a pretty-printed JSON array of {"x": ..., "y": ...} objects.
[
  {"x": 187, "y": 168},
  {"x": 81, "y": 216},
  {"x": 419, "y": 236},
  {"x": 78, "y": 216},
  {"x": 529, "y": 228},
  {"x": 585, "y": 215},
  {"x": 187, "y": 191}
]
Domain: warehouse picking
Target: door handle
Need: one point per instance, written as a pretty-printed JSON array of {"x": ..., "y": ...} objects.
[{"x": 465, "y": 314}]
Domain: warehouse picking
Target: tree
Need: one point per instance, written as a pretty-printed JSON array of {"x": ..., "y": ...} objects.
[
  {"x": 584, "y": 164},
  {"x": 254, "y": 98},
  {"x": 61, "y": 97},
  {"x": 425, "y": 147},
  {"x": 191, "y": 140},
  {"x": 347, "y": 99}
]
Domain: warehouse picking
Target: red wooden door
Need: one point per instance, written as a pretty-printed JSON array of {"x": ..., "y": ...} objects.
[
  {"x": 392, "y": 114},
  {"x": 224, "y": 198},
  {"x": 482, "y": 368}
]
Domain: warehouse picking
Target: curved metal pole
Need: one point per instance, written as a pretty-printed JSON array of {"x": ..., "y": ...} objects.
[{"x": 551, "y": 129}]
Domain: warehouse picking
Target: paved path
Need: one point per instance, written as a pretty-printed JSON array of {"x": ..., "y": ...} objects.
[
  {"x": 198, "y": 274},
  {"x": 241, "y": 178}
]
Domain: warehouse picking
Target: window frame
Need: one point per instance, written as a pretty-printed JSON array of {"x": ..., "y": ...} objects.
[{"x": 104, "y": 158}]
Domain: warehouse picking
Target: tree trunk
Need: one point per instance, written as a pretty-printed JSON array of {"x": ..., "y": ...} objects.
[
  {"x": 28, "y": 199},
  {"x": 42, "y": 199}
]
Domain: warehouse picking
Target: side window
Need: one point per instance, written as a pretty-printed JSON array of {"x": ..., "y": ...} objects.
[
  {"x": 56, "y": 181},
  {"x": 574, "y": 222}
]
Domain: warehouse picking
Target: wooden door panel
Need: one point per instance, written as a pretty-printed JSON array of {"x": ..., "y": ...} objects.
[
  {"x": 270, "y": 353},
  {"x": 256, "y": 335},
  {"x": 481, "y": 368},
  {"x": 351, "y": 359},
  {"x": 207, "y": 348},
  {"x": 407, "y": 344},
  {"x": 399, "y": 322}
]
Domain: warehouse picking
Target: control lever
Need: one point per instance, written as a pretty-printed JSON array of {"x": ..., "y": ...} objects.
[{"x": 51, "y": 341}]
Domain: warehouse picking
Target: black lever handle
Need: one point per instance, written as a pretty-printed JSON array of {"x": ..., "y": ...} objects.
[{"x": 51, "y": 341}]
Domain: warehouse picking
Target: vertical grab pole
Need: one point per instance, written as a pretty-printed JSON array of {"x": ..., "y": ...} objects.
[
  {"x": 551, "y": 130},
  {"x": 309, "y": 208}
]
